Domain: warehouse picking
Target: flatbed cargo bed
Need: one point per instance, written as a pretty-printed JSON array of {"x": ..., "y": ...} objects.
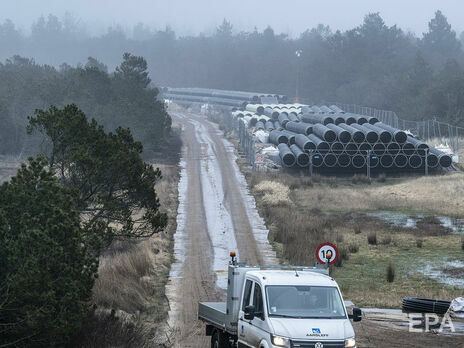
[{"x": 214, "y": 313}]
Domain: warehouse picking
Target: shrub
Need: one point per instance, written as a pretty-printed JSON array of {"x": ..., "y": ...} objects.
[
  {"x": 372, "y": 238},
  {"x": 357, "y": 229},
  {"x": 386, "y": 240},
  {"x": 353, "y": 248},
  {"x": 382, "y": 177},
  {"x": 360, "y": 179},
  {"x": 419, "y": 243},
  {"x": 390, "y": 273},
  {"x": 462, "y": 243},
  {"x": 340, "y": 238},
  {"x": 343, "y": 255}
]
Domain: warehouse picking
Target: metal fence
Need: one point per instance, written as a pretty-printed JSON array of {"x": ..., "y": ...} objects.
[
  {"x": 425, "y": 130},
  {"x": 246, "y": 141}
]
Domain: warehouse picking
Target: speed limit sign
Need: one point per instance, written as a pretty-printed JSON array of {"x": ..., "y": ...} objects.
[{"x": 327, "y": 252}]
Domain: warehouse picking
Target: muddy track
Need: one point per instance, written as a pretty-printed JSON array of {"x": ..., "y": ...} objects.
[{"x": 215, "y": 220}]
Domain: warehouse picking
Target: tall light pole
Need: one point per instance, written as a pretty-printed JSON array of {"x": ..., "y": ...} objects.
[{"x": 298, "y": 54}]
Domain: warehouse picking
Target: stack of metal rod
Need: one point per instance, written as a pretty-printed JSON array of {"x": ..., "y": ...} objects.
[{"x": 329, "y": 138}]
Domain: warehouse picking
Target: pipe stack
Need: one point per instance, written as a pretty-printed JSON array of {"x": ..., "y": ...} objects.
[{"x": 333, "y": 139}]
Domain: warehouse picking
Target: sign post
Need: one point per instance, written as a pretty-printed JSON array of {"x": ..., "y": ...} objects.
[{"x": 327, "y": 254}]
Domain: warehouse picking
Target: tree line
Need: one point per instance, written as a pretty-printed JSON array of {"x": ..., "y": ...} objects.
[
  {"x": 372, "y": 64},
  {"x": 124, "y": 97}
]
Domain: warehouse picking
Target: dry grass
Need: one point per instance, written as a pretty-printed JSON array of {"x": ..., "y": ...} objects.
[
  {"x": 129, "y": 291},
  {"x": 361, "y": 272},
  {"x": 422, "y": 194},
  {"x": 273, "y": 193}
]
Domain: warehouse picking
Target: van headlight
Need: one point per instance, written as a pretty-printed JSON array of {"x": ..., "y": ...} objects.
[
  {"x": 350, "y": 343},
  {"x": 280, "y": 341}
]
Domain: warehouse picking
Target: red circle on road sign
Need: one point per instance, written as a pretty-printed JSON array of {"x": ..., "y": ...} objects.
[{"x": 322, "y": 253}]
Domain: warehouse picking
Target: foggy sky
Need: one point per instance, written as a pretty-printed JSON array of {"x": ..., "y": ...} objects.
[{"x": 202, "y": 16}]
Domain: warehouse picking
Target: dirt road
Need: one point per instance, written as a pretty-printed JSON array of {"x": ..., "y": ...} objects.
[{"x": 216, "y": 215}]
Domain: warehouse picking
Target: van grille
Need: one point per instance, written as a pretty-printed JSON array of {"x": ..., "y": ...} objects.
[{"x": 312, "y": 344}]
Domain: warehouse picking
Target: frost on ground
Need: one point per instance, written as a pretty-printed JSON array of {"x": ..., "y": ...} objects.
[{"x": 218, "y": 219}]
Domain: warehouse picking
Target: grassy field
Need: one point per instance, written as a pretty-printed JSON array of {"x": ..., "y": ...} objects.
[{"x": 328, "y": 209}]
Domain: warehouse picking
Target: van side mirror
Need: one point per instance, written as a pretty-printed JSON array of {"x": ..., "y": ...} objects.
[
  {"x": 249, "y": 312},
  {"x": 357, "y": 314}
]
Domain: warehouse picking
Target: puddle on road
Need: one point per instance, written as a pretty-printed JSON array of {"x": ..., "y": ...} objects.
[{"x": 456, "y": 225}]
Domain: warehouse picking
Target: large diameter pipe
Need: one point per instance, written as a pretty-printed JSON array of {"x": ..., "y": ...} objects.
[
  {"x": 302, "y": 158},
  {"x": 277, "y": 137},
  {"x": 274, "y": 114},
  {"x": 393, "y": 148},
  {"x": 290, "y": 135},
  {"x": 269, "y": 126},
  {"x": 384, "y": 135},
  {"x": 415, "y": 161},
  {"x": 400, "y": 160},
  {"x": 324, "y": 133},
  {"x": 343, "y": 160},
  {"x": 379, "y": 149},
  {"x": 317, "y": 118},
  {"x": 359, "y": 118},
  {"x": 420, "y": 146},
  {"x": 257, "y": 108},
  {"x": 408, "y": 149},
  {"x": 342, "y": 134},
  {"x": 277, "y": 125},
  {"x": 304, "y": 143},
  {"x": 286, "y": 155},
  {"x": 259, "y": 125},
  {"x": 386, "y": 161},
  {"x": 293, "y": 117},
  {"x": 348, "y": 119},
  {"x": 253, "y": 121},
  {"x": 336, "y": 109},
  {"x": 364, "y": 148},
  {"x": 444, "y": 159},
  {"x": 351, "y": 149},
  {"x": 357, "y": 136},
  {"x": 372, "y": 120},
  {"x": 432, "y": 160},
  {"x": 283, "y": 119},
  {"x": 358, "y": 161},
  {"x": 337, "y": 147},
  {"x": 321, "y": 145},
  {"x": 299, "y": 127},
  {"x": 400, "y": 136},
  {"x": 326, "y": 110},
  {"x": 317, "y": 160},
  {"x": 338, "y": 119},
  {"x": 315, "y": 109},
  {"x": 330, "y": 160},
  {"x": 370, "y": 135}
]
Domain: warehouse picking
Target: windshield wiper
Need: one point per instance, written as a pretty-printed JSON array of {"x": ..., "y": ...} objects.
[{"x": 283, "y": 316}]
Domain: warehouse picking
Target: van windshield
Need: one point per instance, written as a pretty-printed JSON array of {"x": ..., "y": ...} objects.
[{"x": 294, "y": 301}]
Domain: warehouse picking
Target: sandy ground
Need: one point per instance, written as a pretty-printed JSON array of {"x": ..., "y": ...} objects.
[{"x": 215, "y": 216}]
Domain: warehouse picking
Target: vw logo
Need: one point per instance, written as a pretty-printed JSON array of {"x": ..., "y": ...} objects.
[{"x": 318, "y": 345}]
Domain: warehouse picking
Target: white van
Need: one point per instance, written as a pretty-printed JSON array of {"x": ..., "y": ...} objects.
[{"x": 275, "y": 307}]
